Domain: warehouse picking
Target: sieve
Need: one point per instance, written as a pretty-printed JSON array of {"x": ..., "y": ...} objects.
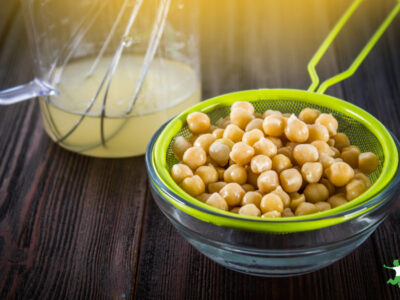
[{"x": 363, "y": 130}]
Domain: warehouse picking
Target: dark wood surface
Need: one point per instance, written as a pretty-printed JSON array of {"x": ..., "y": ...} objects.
[{"x": 75, "y": 227}]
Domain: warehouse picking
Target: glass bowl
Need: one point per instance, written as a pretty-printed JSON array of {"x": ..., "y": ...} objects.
[{"x": 270, "y": 254}]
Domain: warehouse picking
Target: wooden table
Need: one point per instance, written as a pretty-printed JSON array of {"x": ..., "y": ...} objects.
[{"x": 75, "y": 227}]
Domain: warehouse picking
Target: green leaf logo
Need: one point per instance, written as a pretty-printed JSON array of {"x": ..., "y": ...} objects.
[{"x": 396, "y": 268}]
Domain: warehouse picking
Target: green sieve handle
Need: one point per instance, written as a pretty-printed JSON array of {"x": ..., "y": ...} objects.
[{"x": 359, "y": 59}]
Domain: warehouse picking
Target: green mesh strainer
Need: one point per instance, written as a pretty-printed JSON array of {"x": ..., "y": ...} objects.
[{"x": 363, "y": 129}]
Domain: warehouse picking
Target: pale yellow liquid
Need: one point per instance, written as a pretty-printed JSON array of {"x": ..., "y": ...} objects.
[{"x": 169, "y": 88}]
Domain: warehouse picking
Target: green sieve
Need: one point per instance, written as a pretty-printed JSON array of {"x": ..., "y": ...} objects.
[{"x": 362, "y": 128}]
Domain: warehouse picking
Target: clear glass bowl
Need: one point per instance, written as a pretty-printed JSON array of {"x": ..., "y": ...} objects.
[{"x": 270, "y": 254}]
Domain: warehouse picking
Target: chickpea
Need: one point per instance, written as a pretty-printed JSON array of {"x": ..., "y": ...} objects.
[
  {"x": 260, "y": 163},
  {"x": 274, "y": 125},
  {"x": 232, "y": 193},
  {"x": 305, "y": 153},
  {"x": 252, "y": 136},
  {"x": 252, "y": 198},
  {"x": 331, "y": 142},
  {"x": 203, "y": 197},
  {"x": 355, "y": 188},
  {"x": 225, "y": 141},
  {"x": 284, "y": 196},
  {"x": 341, "y": 140},
  {"x": 326, "y": 160},
  {"x": 235, "y": 173},
  {"x": 277, "y": 141},
  {"x": 306, "y": 208},
  {"x": 265, "y": 147},
  {"x": 331, "y": 188},
  {"x": 223, "y": 122},
  {"x": 271, "y": 112},
  {"x": 250, "y": 210},
  {"x": 198, "y": 122},
  {"x": 318, "y": 133},
  {"x": 235, "y": 209},
  {"x": 241, "y": 117},
  {"x": 252, "y": 177},
  {"x": 350, "y": 155},
  {"x": 361, "y": 176},
  {"x": 194, "y": 186},
  {"x": 243, "y": 105},
  {"x": 368, "y": 162},
  {"x": 323, "y": 206},
  {"x": 287, "y": 212},
  {"x": 218, "y": 133},
  {"x": 329, "y": 122},
  {"x": 316, "y": 192},
  {"x": 272, "y": 214},
  {"x": 312, "y": 171},
  {"x": 287, "y": 151},
  {"x": 267, "y": 181},
  {"x": 291, "y": 145},
  {"x": 219, "y": 153},
  {"x": 296, "y": 200},
  {"x": 179, "y": 146},
  {"x": 291, "y": 180},
  {"x": 254, "y": 124},
  {"x": 207, "y": 173},
  {"x": 221, "y": 172},
  {"x": 180, "y": 172},
  {"x": 204, "y": 141},
  {"x": 242, "y": 153},
  {"x": 271, "y": 202},
  {"x": 337, "y": 200},
  {"x": 248, "y": 187},
  {"x": 340, "y": 173},
  {"x": 323, "y": 148},
  {"x": 217, "y": 201},
  {"x": 309, "y": 115},
  {"x": 195, "y": 157},
  {"x": 296, "y": 130},
  {"x": 215, "y": 187},
  {"x": 233, "y": 132},
  {"x": 281, "y": 162}
]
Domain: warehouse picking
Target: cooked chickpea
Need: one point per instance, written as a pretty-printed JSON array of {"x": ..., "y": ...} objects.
[
  {"x": 203, "y": 197},
  {"x": 363, "y": 177},
  {"x": 195, "y": 157},
  {"x": 252, "y": 136},
  {"x": 254, "y": 124},
  {"x": 312, "y": 171},
  {"x": 350, "y": 155},
  {"x": 309, "y": 115},
  {"x": 198, "y": 122},
  {"x": 368, "y": 162},
  {"x": 277, "y": 141},
  {"x": 326, "y": 160},
  {"x": 287, "y": 212},
  {"x": 232, "y": 193},
  {"x": 323, "y": 148},
  {"x": 336, "y": 152},
  {"x": 265, "y": 147},
  {"x": 274, "y": 125},
  {"x": 341, "y": 140},
  {"x": 220, "y": 172},
  {"x": 204, "y": 141},
  {"x": 207, "y": 173},
  {"x": 252, "y": 197},
  {"x": 306, "y": 208},
  {"x": 252, "y": 177},
  {"x": 194, "y": 186},
  {"x": 218, "y": 133},
  {"x": 291, "y": 180},
  {"x": 305, "y": 153},
  {"x": 260, "y": 163},
  {"x": 271, "y": 214},
  {"x": 271, "y": 112},
  {"x": 243, "y": 105},
  {"x": 284, "y": 196},
  {"x": 296, "y": 130},
  {"x": 323, "y": 206},
  {"x": 235, "y": 209},
  {"x": 355, "y": 188},
  {"x": 249, "y": 210},
  {"x": 235, "y": 173},
  {"x": 281, "y": 162},
  {"x": 225, "y": 141},
  {"x": 329, "y": 122},
  {"x": 287, "y": 151},
  {"x": 217, "y": 201},
  {"x": 291, "y": 145},
  {"x": 331, "y": 142},
  {"x": 180, "y": 172},
  {"x": 241, "y": 117},
  {"x": 296, "y": 199},
  {"x": 219, "y": 153},
  {"x": 248, "y": 187},
  {"x": 242, "y": 153},
  {"x": 267, "y": 181},
  {"x": 271, "y": 202},
  {"x": 233, "y": 132},
  {"x": 337, "y": 200},
  {"x": 340, "y": 173},
  {"x": 215, "y": 187},
  {"x": 331, "y": 188},
  {"x": 316, "y": 192},
  {"x": 179, "y": 146}
]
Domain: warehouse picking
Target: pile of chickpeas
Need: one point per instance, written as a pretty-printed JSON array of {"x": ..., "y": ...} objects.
[{"x": 272, "y": 164}]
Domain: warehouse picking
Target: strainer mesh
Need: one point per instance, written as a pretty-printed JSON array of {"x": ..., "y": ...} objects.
[{"x": 358, "y": 134}]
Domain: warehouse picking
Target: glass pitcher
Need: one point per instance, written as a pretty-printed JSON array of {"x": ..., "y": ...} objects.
[{"x": 110, "y": 72}]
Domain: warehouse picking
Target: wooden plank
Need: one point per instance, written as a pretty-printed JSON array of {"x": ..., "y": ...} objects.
[
  {"x": 69, "y": 225},
  {"x": 7, "y": 14}
]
